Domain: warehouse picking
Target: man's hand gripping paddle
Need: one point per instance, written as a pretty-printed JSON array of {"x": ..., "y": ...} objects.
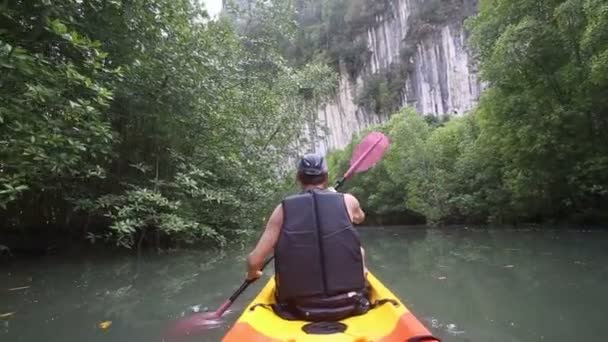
[{"x": 369, "y": 152}]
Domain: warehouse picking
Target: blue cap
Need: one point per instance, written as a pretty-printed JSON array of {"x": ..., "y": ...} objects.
[{"x": 312, "y": 164}]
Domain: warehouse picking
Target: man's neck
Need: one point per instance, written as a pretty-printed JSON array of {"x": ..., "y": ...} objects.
[{"x": 312, "y": 187}]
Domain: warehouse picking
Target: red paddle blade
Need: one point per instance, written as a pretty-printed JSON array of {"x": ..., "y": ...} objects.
[{"x": 368, "y": 153}]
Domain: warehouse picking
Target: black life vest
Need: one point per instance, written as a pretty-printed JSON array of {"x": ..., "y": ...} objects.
[{"x": 318, "y": 261}]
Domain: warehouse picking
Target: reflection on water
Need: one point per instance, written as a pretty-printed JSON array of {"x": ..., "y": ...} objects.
[{"x": 464, "y": 284}]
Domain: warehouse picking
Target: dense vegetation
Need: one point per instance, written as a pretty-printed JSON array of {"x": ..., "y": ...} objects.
[
  {"x": 134, "y": 121},
  {"x": 534, "y": 150},
  {"x": 333, "y": 31},
  {"x": 143, "y": 121}
]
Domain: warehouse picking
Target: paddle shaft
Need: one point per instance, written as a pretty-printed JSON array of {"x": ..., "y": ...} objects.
[{"x": 247, "y": 282}]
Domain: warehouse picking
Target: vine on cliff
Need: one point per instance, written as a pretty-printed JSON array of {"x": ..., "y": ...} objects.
[{"x": 383, "y": 91}]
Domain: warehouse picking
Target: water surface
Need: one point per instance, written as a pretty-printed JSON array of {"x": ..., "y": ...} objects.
[{"x": 464, "y": 284}]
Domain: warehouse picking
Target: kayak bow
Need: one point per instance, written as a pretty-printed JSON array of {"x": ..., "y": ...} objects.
[{"x": 388, "y": 321}]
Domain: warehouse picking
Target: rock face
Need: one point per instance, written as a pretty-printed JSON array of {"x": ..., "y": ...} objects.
[
  {"x": 441, "y": 77},
  {"x": 343, "y": 117}
]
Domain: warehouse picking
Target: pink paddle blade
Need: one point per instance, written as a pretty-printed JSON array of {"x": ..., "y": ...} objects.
[
  {"x": 368, "y": 153},
  {"x": 191, "y": 325}
]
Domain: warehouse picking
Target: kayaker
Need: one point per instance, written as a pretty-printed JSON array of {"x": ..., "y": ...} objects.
[{"x": 319, "y": 265}]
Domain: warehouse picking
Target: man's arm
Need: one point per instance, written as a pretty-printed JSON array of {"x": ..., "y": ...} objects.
[
  {"x": 354, "y": 208},
  {"x": 266, "y": 244}
]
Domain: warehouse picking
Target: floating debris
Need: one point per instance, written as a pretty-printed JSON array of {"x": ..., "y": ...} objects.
[
  {"x": 509, "y": 266},
  {"x": 7, "y": 315},
  {"x": 19, "y": 288},
  {"x": 105, "y": 325},
  {"x": 453, "y": 329},
  {"x": 442, "y": 278}
]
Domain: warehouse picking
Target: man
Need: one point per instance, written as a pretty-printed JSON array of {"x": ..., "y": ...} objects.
[{"x": 320, "y": 272}]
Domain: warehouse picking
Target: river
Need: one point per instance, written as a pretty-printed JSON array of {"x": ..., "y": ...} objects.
[{"x": 493, "y": 285}]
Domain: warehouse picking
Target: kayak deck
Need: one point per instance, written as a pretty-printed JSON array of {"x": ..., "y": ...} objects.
[{"x": 389, "y": 322}]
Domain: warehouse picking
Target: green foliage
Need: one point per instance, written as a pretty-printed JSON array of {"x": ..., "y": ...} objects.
[
  {"x": 374, "y": 95},
  {"x": 404, "y": 183},
  {"x": 382, "y": 93},
  {"x": 137, "y": 119},
  {"x": 52, "y": 104},
  {"x": 333, "y": 32},
  {"x": 544, "y": 114},
  {"x": 142, "y": 120},
  {"x": 534, "y": 149},
  {"x": 438, "y": 12}
]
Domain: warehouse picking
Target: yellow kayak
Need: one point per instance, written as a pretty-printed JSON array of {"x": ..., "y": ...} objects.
[{"x": 388, "y": 321}]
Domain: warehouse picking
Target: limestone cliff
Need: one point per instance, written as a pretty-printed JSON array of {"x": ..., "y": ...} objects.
[{"x": 441, "y": 76}]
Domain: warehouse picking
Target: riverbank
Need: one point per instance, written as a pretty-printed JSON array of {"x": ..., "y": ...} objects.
[
  {"x": 44, "y": 241},
  {"x": 27, "y": 245}
]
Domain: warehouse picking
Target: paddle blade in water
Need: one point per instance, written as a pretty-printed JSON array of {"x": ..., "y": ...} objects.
[
  {"x": 368, "y": 153},
  {"x": 192, "y": 324}
]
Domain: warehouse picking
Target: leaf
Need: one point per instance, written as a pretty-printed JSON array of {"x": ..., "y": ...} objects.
[
  {"x": 105, "y": 325},
  {"x": 59, "y": 27},
  {"x": 19, "y": 288},
  {"x": 7, "y": 66},
  {"x": 7, "y": 315}
]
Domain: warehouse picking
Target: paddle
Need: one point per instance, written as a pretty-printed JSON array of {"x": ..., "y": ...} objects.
[{"x": 369, "y": 152}]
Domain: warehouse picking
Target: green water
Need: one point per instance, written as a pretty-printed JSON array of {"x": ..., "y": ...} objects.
[{"x": 466, "y": 285}]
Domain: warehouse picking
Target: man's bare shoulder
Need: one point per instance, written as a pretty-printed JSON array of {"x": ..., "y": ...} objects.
[
  {"x": 277, "y": 214},
  {"x": 351, "y": 200},
  {"x": 354, "y": 208}
]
